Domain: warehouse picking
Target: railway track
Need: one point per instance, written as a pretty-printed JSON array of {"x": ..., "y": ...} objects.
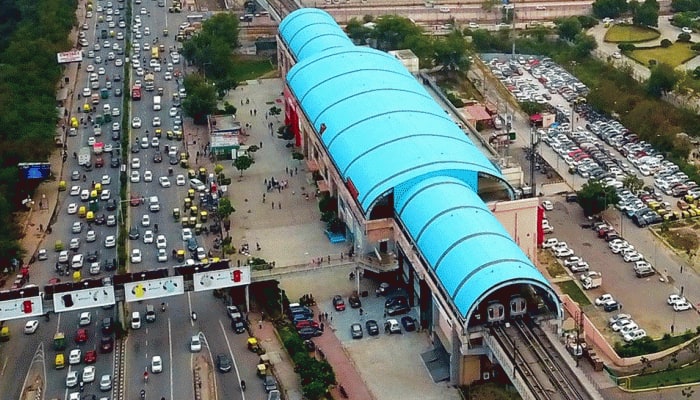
[{"x": 284, "y": 7}]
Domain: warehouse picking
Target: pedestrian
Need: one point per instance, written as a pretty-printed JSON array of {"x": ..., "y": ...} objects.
[
  {"x": 322, "y": 326},
  {"x": 241, "y": 101},
  {"x": 273, "y": 205},
  {"x": 263, "y": 198},
  {"x": 329, "y": 259},
  {"x": 257, "y": 245},
  {"x": 361, "y": 311},
  {"x": 279, "y": 206},
  {"x": 261, "y": 144},
  {"x": 320, "y": 317},
  {"x": 295, "y": 170},
  {"x": 325, "y": 316},
  {"x": 279, "y": 188},
  {"x": 255, "y": 111},
  {"x": 251, "y": 113},
  {"x": 260, "y": 324},
  {"x": 41, "y": 227},
  {"x": 247, "y": 100}
]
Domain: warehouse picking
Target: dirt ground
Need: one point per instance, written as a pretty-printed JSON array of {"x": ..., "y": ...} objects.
[{"x": 205, "y": 371}]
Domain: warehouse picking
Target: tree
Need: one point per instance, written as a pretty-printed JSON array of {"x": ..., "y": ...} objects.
[
  {"x": 357, "y": 31},
  {"x": 225, "y": 208},
  {"x": 646, "y": 14},
  {"x": 680, "y": 6},
  {"x": 683, "y": 37},
  {"x": 594, "y": 197},
  {"x": 201, "y": 98},
  {"x": 242, "y": 163},
  {"x": 696, "y": 73},
  {"x": 569, "y": 28},
  {"x": 584, "y": 45},
  {"x": 451, "y": 52},
  {"x": 391, "y": 32},
  {"x": 662, "y": 79},
  {"x": 633, "y": 183},
  {"x": 609, "y": 8}
]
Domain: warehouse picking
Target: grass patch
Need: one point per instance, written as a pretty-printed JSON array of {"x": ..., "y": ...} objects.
[
  {"x": 575, "y": 292},
  {"x": 674, "y": 56},
  {"x": 247, "y": 68},
  {"x": 490, "y": 391},
  {"x": 630, "y": 34},
  {"x": 688, "y": 374},
  {"x": 649, "y": 346},
  {"x": 554, "y": 269}
]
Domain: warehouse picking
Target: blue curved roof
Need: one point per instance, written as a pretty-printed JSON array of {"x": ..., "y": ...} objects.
[
  {"x": 382, "y": 128},
  {"x": 309, "y": 31},
  {"x": 464, "y": 244}
]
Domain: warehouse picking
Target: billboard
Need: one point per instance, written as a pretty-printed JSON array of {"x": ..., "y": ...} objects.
[
  {"x": 223, "y": 278},
  {"x": 69, "y": 56},
  {"x": 154, "y": 288},
  {"x": 83, "y": 298},
  {"x": 20, "y": 303},
  {"x": 34, "y": 170}
]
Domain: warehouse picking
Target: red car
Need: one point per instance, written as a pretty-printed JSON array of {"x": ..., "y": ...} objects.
[
  {"x": 338, "y": 303},
  {"x": 306, "y": 323},
  {"x": 81, "y": 336},
  {"x": 90, "y": 357}
]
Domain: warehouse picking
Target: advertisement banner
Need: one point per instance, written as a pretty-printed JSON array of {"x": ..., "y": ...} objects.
[
  {"x": 154, "y": 288},
  {"x": 224, "y": 278},
  {"x": 83, "y": 298},
  {"x": 21, "y": 308},
  {"x": 69, "y": 56}
]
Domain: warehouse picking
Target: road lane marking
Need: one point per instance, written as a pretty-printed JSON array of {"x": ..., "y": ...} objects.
[
  {"x": 230, "y": 351},
  {"x": 211, "y": 360},
  {"x": 170, "y": 341}
]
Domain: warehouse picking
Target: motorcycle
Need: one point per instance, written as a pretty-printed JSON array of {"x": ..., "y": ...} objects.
[
  {"x": 194, "y": 316},
  {"x": 162, "y": 307},
  {"x": 243, "y": 385},
  {"x": 143, "y": 393}
]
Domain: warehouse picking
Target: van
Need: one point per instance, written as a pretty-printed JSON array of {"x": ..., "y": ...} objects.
[
  {"x": 77, "y": 261},
  {"x": 135, "y": 320},
  {"x": 150, "y": 313},
  {"x": 153, "y": 204}
]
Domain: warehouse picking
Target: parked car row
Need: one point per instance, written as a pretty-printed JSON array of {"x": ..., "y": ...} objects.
[
  {"x": 679, "y": 303},
  {"x": 626, "y": 327}
]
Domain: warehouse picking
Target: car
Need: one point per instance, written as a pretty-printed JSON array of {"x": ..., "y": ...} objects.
[
  {"x": 136, "y": 122},
  {"x": 89, "y": 374},
  {"x": 72, "y": 379},
  {"x": 74, "y": 244},
  {"x": 148, "y": 176},
  {"x": 146, "y": 220},
  {"x": 602, "y": 299},
  {"x": 180, "y": 180},
  {"x": 92, "y": 256},
  {"x": 173, "y": 111},
  {"x": 632, "y": 256},
  {"x": 356, "y": 331},
  {"x": 75, "y": 175},
  {"x": 42, "y": 255},
  {"x": 106, "y": 344},
  {"x": 686, "y": 29},
  {"x": 195, "y": 344},
  {"x": 90, "y": 236},
  {"x": 135, "y": 256},
  {"x": 156, "y": 121},
  {"x": 618, "y": 325},
  {"x": 547, "y": 205},
  {"x": 106, "y": 180},
  {"x": 392, "y": 326},
  {"x": 200, "y": 254},
  {"x": 77, "y": 227},
  {"x": 75, "y": 356},
  {"x": 354, "y": 301},
  {"x": 634, "y": 335},
  {"x": 682, "y": 306},
  {"x": 270, "y": 383},
  {"x": 223, "y": 362},
  {"x": 148, "y": 237},
  {"x": 579, "y": 267},
  {"x": 197, "y": 185},
  {"x": 90, "y": 357},
  {"x": 338, "y": 303},
  {"x": 572, "y": 261},
  {"x": 63, "y": 256},
  {"x": 309, "y": 332},
  {"x": 611, "y": 305},
  {"x": 105, "y": 195},
  {"x": 111, "y": 220},
  {"x": 135, "y": 163},
  {"x": 31, "y": 326},
  {"x": 164, "y": 182},
  {"x": 563, "y": 252},
  {"x": 85, "y": 318},
  {"x": 109, "y": 265},
  {"x": 186, "y": 234},
  {"x": 161, "y": 242},
  {"x": 134, "y": 233},
  {"x": 135, "y": 176},
  {"x": 72, "y": 208},
  {"x": 674, "y": 298},
  {"x": 173, "y": 160},
  {"x": 372, "y": 327},
  {"x": 144, "y": 142},
  {"x": 616, "y": 54},
  {"x": 84, "y": 195},
  {"x": 74, "y": 190},
  {"x": 155, "y": 142},
  {"x": 90, "y": 68},
  {"x": 156, "y": 364},
  {"x": 409, "y": 324},
  {"x": 105, "y": 383},
  {"x": 618, "y": 317},
  {"x": 157, "y": 157}
]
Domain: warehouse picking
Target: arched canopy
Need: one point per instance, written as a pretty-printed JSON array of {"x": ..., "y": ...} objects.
[{"x": 310, "y": 31}]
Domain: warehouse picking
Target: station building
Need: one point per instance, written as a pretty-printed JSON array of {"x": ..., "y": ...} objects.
[{"x": 419, "y": 200}]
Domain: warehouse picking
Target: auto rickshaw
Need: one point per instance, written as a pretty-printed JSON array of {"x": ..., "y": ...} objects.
[
  {"x": 90, "y": 216},
  {"x": 185, "y": 222},
  {"x": 180, "y": 255},
  {"x": 190, "y": 193},
  {"x": 60, "y": 361},
  {"x": 184, "y": 162},
  {"x": 202, "y": 174},
  {"x": 58, "y": 245},
  {"x": 98, "y": 188},
  {"x": 93, "y": 205},
  {"x": 59, "y": 341},
  {"x": 197, "y": 229},
  {"x": 165, "y": 33},
  {"x": 82, "y": 211},
  {"x": 193, "y": 222},
  {"x": 191, "y": 174},
  {"x": 77, "y": 276},
  {"x": 176, "y": 214},
  {"x": 158, "y": 132},
  {"x": 62, "y": 186},
  {"x": 262, "y": 370},
  {"x": 4, "y": 334},
  {"x": 193, "y": 211},
  {"x": 178, "y": 135},
  {"x": 203, "y": 216},
  {"x": 188, "y": 203},
  {"x": 93, "y": 194},
  {"x": 86, "y": 108},
  {"x": 74, "y": 123},
  {"x": 169, "y": 135},
  {"x": 104, "y": 93},
  {"x": 253, "y": 345}
]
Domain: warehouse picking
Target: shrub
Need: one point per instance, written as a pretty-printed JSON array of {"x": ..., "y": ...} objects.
[
  {"x": 626, "y": 46},
  {"x": 683, "y": 37},
  {"x": 667, "y": 43},
  {"x": 695, "y": 47}
]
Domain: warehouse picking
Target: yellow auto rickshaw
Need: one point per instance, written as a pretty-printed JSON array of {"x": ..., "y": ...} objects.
[
  {"x": 193, "y": 222},
  {"x": 4, "y": 334},
  {"x": 193, "y": 212},
  {"x": 90, "y": 216},
  {"x": 262, "y": 370},
  {"x": 86, "y": 108},
  {"x": 188, "y": 203},
  {"x": 185, "y": 222},
  {"x": 197, "y": 229},
  {"x": 180, "y": 255},
  {"x": 176, "y": 214},
  {"x": 77, "y": 276},
  {"x": 203, "y": 216},
  {"x": 159, "y": 132},
  {"x": 93, "y": 195},
  {"x": 82, "y": 211},
  {"x": 58, "y": 245},
  {"x": 202, "y": 174},
  {"x": 191, "y": 174},
  {"x": 74, "y": 121},
  {"x": 190, "y": 193},
  {"x": 184, "y": 163},
  {"x": 62, "y": 186},
  {"x": 253, "y": 345},
  {"x": 60, "y": 361},
  {"x": 98, "y": 188}
]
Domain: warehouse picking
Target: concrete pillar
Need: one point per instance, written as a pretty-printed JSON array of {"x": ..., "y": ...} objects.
[{"x": 247, "y": 297}]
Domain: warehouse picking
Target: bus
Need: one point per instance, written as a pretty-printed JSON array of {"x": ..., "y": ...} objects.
[
  {"x": 155, "y": 52},
  {"x": 192, "y": 18}
]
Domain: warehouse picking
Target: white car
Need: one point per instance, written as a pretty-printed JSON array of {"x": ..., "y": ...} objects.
[
  {"x": 572, "y": 261},
  {"x": 72, "y": 208},
  {"x": 197, "y": 185},
  {"x": 105, "y": 383},
  {"x": 195, "y": 344},
  {"x": 72, "y": 379},
  {"x": 547, "y": 205},
  {"x": 135, "y": 256},
  {"x": 173, "y": 111},
  {"x": 75, "y": 356},
  {"x": 116, "y": 112},
  {"x": 148, "y": 237},
  {"x": 90, "y": 236},
  {"x": 146, "y": 220},
  {"x": 563, "y": 252},
  {"x": 101, "y": 71},
  {"x": 155, "y": 142},
  {"x": 164, "y": 181},
  {"x": 156, "y": 121},
  {"x": 135, "y": 177},
  {"x": 90, "y": 68},
  {"x": 91, "y": 141},
  {"x": 682, "y": 306},
  {"x": 604, "y": 298},
  {"x": 31, "y": 326},
  {"x": 75, "y": 190},
  {"x": 162, "y": 255},
  {"x": 144, "y": 142},
  {"x": 168, "y": 76},
  {"x": 180, "y": 180},
  {"x": 89, "y": 374},
  {"x": 161, "y": 242},
  {"x": 147, "y": 176},
  {"x": 634, "y": 335},
  {"x": 618, "y": 317},
  {"x": 110, "y": 241},
  {"x": 87, "y": 92},
  {"x": 74, "y": 244},
  {"x": 156, "y": 364},
  {"x": 146, "y": 31},
  {"x": 135, "y": 163},
  {"x": 631, "y": 256},
  {"x": 674, "y": 298},
  {"x": 118, "y": 62},
  {"x": 618, "y": 325},
  {"x": 201, "y": 254},
  {"x": 186, "y": 234},
  {"x": 116, "y": 127},
  {"x": 106, "y": 180},
  {"x": 105, "y": 195},
  {"x": 136, "y": 122}
]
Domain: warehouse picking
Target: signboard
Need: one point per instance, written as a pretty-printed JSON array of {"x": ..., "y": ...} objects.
[
  {"x": 154, "y": 288},
  {"x": 21, "y": 307},
  {"x": 222, "y": 278},
  {"x": 34, "y": 170},
  {"x": 83, "y": 298},
  {"x": 69, "y": 56}
]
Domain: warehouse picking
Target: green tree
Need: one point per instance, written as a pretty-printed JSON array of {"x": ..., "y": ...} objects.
[
  {"x": 225, "y": 208},
  {"x": 242, "y": 163},
  {"x": 633, "y": 183},
  {"x": 451, "y": 52},
  {"x": 314, "y": 390},
  {"x": 662, "y": 79},
  {"x": 609, "y": 8},
  {"x": 685, "y": 5},
  {"x": 594, "y": 197},
  {"x": 357, "y": 31},
  {"x": 646, "y": 14},
  {"x": 391, "y": 32},
  {"x": 201, "y": 98},
  {"x": 683, "y": 37},
  {"x": 568, "y": 28},
  {"x": 584, "y": 45},
  {"x": 696, "y": 73}
]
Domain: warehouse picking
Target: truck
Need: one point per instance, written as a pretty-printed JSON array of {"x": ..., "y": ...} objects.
[
  {"x": 156, "y": 103},
  {"x": 591, "y": 280},
  {"x": 136, "y": 92},
  {"x": 149, "y": 81},
  {"x": 155, "y": 53},
  {"x": 84, "y": 156}
]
